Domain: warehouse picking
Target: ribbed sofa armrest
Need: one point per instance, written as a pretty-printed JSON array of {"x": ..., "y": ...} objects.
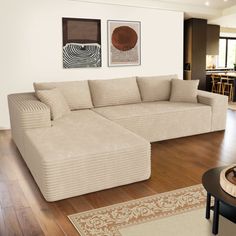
[
  {"x": 26, "y": 112},
  {"x": 219, "y": 105}
]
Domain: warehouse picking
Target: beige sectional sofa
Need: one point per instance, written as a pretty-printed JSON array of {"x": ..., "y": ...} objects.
[{"x": 102, "y": 139}]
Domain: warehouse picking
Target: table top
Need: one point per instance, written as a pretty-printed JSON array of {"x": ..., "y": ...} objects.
[
  {"x": 211, "y": 182},
  {"x": 229, "y": 74}
]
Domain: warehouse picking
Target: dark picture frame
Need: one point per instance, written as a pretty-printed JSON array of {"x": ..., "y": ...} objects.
[{"x": 81, "y": 42}]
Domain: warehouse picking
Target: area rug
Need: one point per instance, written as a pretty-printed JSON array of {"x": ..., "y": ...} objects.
[{"x": 179, "y": 213}]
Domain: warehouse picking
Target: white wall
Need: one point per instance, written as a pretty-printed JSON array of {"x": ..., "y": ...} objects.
[
  {"x": 227, "y": 18},
  {"x": 31, "y": 43},
  {"x": 225, "y": 21},
  {"x": 225, "y": 34}
]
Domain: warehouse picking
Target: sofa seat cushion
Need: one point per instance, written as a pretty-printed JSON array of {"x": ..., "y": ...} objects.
[
  {"x": 76, "y": 93},
  {"x": 84, "y": 152},
  {"x": 161, "y": 120}
]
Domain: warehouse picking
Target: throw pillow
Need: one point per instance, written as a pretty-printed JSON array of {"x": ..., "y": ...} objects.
[
  {"x": 54, "y": 99},
  {"x": 184, "y": 90}
]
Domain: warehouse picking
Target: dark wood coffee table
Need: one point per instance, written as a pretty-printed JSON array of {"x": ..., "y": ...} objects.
[{"x": 224, "y": 204}]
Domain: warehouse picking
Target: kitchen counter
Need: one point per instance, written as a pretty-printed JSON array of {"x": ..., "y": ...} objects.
[
  {"x": 219, "y": 69},
  {"x": 209, "y": 72},
  {"x": 230, "y": 74}
]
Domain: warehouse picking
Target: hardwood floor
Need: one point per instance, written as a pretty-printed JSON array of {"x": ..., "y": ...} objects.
[{"x": 175, "y": 164}]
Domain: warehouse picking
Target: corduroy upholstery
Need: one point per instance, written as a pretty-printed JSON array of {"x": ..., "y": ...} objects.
[
  {"x": 155, "y": 88},
  {"x": 184, "y": 90},
  {"x": 26, "y": 112},
  {"x": 76, "y": 93},
  {"x": 55, "y": 100},
  {"x": 156, "y": 121},
  {"x": 114, "y": 92},
  {"x": 107, "y": 146},
  {"x": 84, "y": 152},
  {"x": 219, "y": 106}
]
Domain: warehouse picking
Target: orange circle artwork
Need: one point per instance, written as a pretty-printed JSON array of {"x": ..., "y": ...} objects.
[{"x": 124, "y": 38}]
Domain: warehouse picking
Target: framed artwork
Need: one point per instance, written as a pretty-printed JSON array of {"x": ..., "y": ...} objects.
[
  {"x": 81, "y": 42},
  {"x": 124, "y": 47}
]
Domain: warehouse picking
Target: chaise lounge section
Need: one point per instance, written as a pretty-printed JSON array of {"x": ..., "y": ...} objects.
[
  {"x": 84, "y": 152},
  {"x": 103, "y": 140}
]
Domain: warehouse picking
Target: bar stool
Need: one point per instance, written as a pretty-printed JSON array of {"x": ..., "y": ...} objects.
[
  {"x": 216, "y": 84},
  {"x": 227, "y": 87}
]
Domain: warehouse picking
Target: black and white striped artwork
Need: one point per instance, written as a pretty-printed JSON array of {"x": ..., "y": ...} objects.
[
  {"x": 77, "y": 55},
  {"x": 81, "y": 43}
]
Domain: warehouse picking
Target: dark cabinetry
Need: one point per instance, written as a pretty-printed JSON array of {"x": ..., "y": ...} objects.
[
  {"x": 195, "y": 43},
  {"x": 213, "y": 35}
]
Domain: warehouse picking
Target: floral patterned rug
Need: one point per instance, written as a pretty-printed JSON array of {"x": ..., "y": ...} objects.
[{"x": 108, "y": 221}]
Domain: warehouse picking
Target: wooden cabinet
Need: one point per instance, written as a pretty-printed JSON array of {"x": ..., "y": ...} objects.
[
  {"x": 213, "y": 36},
  {"x": 195, "y": 41}
]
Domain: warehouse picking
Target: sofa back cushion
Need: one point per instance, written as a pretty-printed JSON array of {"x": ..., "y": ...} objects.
[
  {"x": 184, "y": 90},
  {"x": 155, "y": 88},
  {"x": 114, "y": 91},
  {"x": 76, "y": 93}
]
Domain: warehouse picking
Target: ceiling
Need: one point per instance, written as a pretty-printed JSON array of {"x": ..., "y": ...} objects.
[
  {"x": 222, "y": 12},
  {"x": 214, "y": 4}
]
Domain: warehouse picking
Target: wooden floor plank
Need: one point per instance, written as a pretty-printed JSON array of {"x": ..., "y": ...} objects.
[
  {"x": 80, "y": 203},
  {"x": 108, "y": 197},
  {"x": 138, "y": 190},
  {"x": 17, "y": 196},
  {"x": 61, "y": 210},
  {"x": 28, "y": 223},
  {"x": 11, "y": 222},
  {"x": 5, "y": 198},
  {"x": 41, "y": 209},
  {"x": 2, "y": 224}
]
